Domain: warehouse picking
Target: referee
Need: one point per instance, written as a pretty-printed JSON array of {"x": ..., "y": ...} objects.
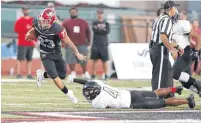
[{"x": 160, "y": 46}]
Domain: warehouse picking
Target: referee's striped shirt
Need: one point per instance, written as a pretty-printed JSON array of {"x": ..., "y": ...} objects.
[{"x": 162, "y": 25}]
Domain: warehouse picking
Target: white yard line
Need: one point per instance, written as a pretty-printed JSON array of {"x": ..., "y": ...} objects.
[
  {"x": 135, "y": 111},
  {"x": 124, "y": 121},
  {"x": 37, "y": 107},
  {"x": 59, "y": 114},
  {"x": 18, "y": 80},
  {"x": 41, "y": 103},
  {"x": 44, "y": 98}
]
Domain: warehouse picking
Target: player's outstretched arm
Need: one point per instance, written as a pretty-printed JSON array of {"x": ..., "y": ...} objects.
[
  {"x": 80, "y": 81},
  {"x": 68, "y": 41}
]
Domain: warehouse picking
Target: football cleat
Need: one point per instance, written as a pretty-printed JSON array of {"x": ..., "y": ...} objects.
[
  {"x": 19, "y": 76},
  {"x": 105, "y": 77},
  {"x": 40, "y": 77},
  {"x": 191, "y": 102},
  {"x": 86, "y": 75},
  {"x": 70, "y": 78},
  {"x": 71, "y": 96},
  {"x": 197, "y": 85},
  {"x": 29, "y": 77},
  {"x": 179, "y": 89},
  {"x": 93, "y": 76}
]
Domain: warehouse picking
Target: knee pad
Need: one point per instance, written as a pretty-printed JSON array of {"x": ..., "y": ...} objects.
[
  {"x": 184, "y": 77},
  {"x": 62, "y": 76}
]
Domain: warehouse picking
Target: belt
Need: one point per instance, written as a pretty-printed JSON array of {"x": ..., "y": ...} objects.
[{"x": 152, "y": 43}]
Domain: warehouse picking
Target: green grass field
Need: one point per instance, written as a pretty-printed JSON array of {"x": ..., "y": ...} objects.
[{"x": 26, "y": 96}]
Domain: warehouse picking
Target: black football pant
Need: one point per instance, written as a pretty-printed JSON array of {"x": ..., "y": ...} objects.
[
  {"x": 54, "y": 64},
  {"x": 145, "y": 100}
]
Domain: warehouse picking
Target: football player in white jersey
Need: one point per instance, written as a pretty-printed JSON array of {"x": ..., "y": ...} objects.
[
  {"x": 101, "y": 95},
  {"x": 182, "y": 32}
]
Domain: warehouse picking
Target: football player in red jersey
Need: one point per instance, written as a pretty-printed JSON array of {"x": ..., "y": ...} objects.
[{"x": 50, "y": 34}]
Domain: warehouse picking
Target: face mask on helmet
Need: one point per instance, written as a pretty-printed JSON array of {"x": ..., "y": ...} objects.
[
  {"x": 91, "y": 90},
  {"x": 44, "y": 24},
  {"x": 175, "y": 17}
]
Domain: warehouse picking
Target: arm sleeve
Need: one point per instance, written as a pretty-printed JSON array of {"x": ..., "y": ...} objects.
[{"x": 165, "y": 26}]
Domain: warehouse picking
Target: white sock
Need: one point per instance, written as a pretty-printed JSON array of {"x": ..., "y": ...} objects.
[
  {"x": 184, "y": 77},
  {"x": 73, "y": 73},
  {"x": 86, "y": 73}
]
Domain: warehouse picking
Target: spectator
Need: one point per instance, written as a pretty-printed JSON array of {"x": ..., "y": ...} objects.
[
  {"x": 183, "y": 15},
  {"x": 51, "y": 6},
  {"x": 195, "y": 26},
  {"x": 79, "y": 32},
  {"x": 25, "y": 48},
  {"x": 99, "y": 48}
]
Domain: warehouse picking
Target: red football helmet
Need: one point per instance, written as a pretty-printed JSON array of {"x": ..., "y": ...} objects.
[{"x": 46, "y": 18}]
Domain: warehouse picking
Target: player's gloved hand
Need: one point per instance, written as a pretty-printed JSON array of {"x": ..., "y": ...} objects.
[
  {"x": 81, "y": 57},
  {"x": 195, "y": 55}
]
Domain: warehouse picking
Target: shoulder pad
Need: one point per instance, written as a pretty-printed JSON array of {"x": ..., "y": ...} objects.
[
  {"x": 35, "y": 22},
  {"x": 57, "y": 28},
  {"x": 185, "y": 26}
]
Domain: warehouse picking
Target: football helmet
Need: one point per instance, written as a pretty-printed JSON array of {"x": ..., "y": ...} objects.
[
  {"x": 91, "y": 90},
  {"x": 46, "y": 18},
  {"x": 175, "y": 18}
]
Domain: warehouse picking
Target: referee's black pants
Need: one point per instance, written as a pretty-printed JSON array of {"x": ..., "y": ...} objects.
[{"x": 162, "y": 71}]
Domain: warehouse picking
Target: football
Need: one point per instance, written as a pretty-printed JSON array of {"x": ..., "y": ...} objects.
[{"x": 31, "y": 35}]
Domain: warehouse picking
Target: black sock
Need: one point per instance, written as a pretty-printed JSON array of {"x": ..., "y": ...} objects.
[
  {"x": 65, "y": 90},
  {"x": 191, "y": 81},
  {"x": 45, "y": 75}
]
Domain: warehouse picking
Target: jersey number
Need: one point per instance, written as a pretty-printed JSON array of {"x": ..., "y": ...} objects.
[
  {"x": 112, "y": 92},
  {"x": 46, "y": 42},
  {"x": 63, "y": 34}
]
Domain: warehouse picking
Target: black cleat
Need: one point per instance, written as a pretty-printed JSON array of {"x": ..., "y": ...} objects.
[
  {"x": 29, "y": 77},
  {"x": 179, "y": 89},
  {"x": 106, "y": 77},
  {"x": 93, "y": 76},
  {"x": 19, "y": 76},
  {"x": 191, "y": 102},
  {"x": 197, "y": 85}
]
